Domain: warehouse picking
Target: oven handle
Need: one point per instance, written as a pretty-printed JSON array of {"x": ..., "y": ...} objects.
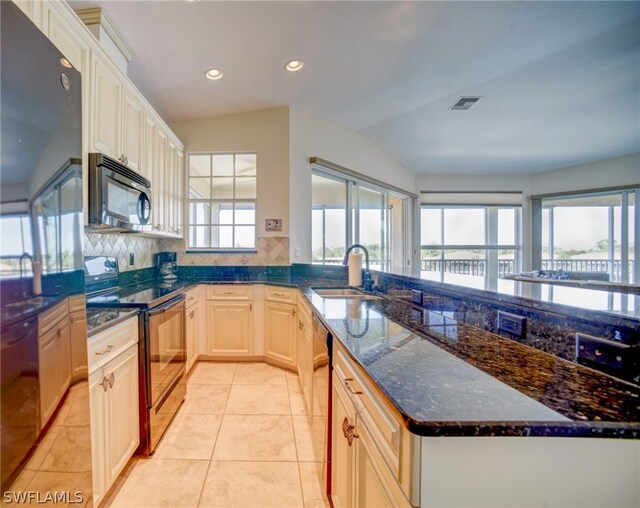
[{"x": 166, "y": 306}]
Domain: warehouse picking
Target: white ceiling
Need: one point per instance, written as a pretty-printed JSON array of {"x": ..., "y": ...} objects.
[{"x": 560, "y": 81}]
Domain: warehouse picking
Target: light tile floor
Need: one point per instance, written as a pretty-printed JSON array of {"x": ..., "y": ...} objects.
[{"x": 241, "y": 439}]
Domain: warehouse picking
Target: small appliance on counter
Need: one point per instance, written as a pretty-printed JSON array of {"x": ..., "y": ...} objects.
[{"x": 167, "y": 265}]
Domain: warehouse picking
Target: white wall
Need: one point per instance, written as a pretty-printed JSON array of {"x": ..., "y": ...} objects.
[
  {"x": 265, "y": 132},
  {"x": 311, "y": 136}
]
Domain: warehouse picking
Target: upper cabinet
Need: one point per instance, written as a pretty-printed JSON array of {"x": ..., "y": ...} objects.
[{"x": 117, "y": 119}]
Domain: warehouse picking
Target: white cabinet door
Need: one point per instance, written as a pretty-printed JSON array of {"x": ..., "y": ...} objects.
[
  {"x": 229, "y": 328},
  {"x": 106, "y": 109},
  {"x": 304, "y": 345},
  {"x": 171, "y": 190},
  {"x": 78, "y": 337},
  {"x": 132, "y": 130},
  {"x": 158, "y": 182},
  {"x": 122, "y": 411},
  {"x": 98, "y": 434},
  {"x": 280, "y": 332},
  {"x": 193, "y": 331},
  {"x": 179, "y": 192},
  {"x": 149, "y": 151},
  {"x": 54, "y": 374},
  {"x": 342, "y": 450}
]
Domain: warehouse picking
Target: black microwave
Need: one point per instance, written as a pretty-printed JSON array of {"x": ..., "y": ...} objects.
[{"x": 119, "y": 198}]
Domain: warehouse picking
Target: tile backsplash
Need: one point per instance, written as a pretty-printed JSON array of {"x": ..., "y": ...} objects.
[
  {"x": 120, "y": 245},
  {"x": 271, "y": 250}
]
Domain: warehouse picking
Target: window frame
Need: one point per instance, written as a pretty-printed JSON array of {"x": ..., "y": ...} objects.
[
  {"x": 353, "y": 185},
  {"x": 212, "y": 201},
  {"x": 491, "y": 222}
]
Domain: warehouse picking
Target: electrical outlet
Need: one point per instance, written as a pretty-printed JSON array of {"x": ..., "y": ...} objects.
[
  {"x": 132, "y": 259},
  {"x": 417, "y": 297},
  {"x": 603, "y": 352},
  {"x": 511, "y": 323}
]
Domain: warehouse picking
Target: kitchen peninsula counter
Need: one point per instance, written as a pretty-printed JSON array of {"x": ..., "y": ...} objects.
[{"x": 448, "y": 378}]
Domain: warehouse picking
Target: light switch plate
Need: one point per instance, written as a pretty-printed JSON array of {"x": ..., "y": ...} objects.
[{"x": 273, "y": 225}]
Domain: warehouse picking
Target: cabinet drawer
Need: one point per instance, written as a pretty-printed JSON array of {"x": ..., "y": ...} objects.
[
  {"x": 386, "y": 426},
  {"x": 229, "y": 292},
  {"x": 48, "y": 319},
  {"x": 106, "y": 345},
  {"x": 280, "y": 294},
  {"x": 77, "y": 303}
]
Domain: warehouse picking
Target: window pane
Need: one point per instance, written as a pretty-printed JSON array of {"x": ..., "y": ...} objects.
[
  {"x": 546, "y": 247},
  {"x": 222, "y": 213},
  {"x": 245, "y": 188},
  {"x": 199, "y": 165},
  {"x": 199, "y": 213},
  {"x": 580, "y": 230},
  {"x": 199, "y": 237},
  {"x": 222, "y": 188},
  {"x": 506, "y": 226},
  {"x": 222, "y": 237},
  {"x": 464, "y": 226},
  {"x": 199, "y": 188},
  {"x": 245, "y": 237},
  {"x": 373, "y": 226},
  {"x": 245, "y": 214},
  {"x": 329, "y": 219},
  {"x": 246, "y": 164},
  {"x": 223, "y": 165},
  {"x": 431, "y": 226}
]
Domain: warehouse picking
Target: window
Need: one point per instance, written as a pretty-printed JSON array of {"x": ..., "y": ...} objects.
[
  {"x": 346, "y": 210},
  {"x": 592, "y": 232},
  {"x": 470, "y": 240},
  {"x": 16, "y": 240},
  {"x": 222, "y": 201}
]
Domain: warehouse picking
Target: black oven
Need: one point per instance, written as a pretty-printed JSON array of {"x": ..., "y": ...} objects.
[{"x": 163, "y": 382}]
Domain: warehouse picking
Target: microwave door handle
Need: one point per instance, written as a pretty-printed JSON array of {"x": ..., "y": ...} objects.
[
  {"x": 144, "y": 208},
  {"x": 166, "y": 306}
]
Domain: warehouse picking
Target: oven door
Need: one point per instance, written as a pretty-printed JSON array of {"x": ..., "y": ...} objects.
[
  {"x": 165, "y": 356},
  {"x": 124, "y": 205}
]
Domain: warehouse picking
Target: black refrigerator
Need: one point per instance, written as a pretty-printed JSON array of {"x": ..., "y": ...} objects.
[{"x": 45, "y": 427}]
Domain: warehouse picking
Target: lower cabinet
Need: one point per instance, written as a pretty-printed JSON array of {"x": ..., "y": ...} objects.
[
  {"x": 342, "y": 447},
  {"x": 280, "y": 333},
  {"x": 113, "y": 394},
  {"x": 305, "y": 364},
  {"x": 54, "y": 351},
  {"x": 229, "y": 328},
  {"x": 192, "y": 332}
]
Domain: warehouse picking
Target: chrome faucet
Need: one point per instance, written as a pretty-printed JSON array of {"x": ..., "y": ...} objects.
[{"x": 367, "y": 283}]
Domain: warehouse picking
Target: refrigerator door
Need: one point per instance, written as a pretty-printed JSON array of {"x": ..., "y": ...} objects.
[{"x": 45, "y": 397}]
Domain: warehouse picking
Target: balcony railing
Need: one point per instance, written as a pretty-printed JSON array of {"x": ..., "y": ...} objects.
[{"x": 506, "y": 266}]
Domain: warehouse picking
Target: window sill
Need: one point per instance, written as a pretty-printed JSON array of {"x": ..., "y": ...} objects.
[{"x": 221, "y": 251}]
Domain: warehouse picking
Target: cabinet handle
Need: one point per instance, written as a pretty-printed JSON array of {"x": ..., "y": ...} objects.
[
  {"x": 293, "y": 312},
  {"x": 112, "y": 380},
  {"x": 350, "y": 387},
  {"x": 229, "y": 293},
  {"x": 299, "y": 325},
  {"x": 105, "y": 384},
  {"x": 106, "y": 350},
  {"x": 250, "y": 306},
  {"x": 279, "y": 294},
  {"x": 191, "y": 314},
  {"x": 349, "y": 431}
]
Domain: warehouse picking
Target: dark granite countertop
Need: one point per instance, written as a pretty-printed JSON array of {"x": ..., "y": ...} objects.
[
  {"x": 100, "y": 319},
  {"x": 18, "y": 310},
  {"x": 447, "y": 378}
]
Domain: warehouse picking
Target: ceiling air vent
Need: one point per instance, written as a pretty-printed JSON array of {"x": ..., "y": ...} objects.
[{"x": 464, "y": 103}]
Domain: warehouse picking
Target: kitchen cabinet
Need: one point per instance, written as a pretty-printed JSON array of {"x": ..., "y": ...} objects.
[
  {"x": 192, "y": 326},
  {"x": 280, "y": 333},
  {"x": 78, "y": 337},
  {"x": 113, "y": 395},
  {"x": 369, "y": 443},
  {"x": 229, "y": 318},
  {"x": 116, "y": 116},
  {"x": 54, "y": 351},
  {"x": 305, "y": 356},
  {"x": 158, "y": 183}
]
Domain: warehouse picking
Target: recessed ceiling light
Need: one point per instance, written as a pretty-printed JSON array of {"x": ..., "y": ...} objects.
[
  {"x": 213, "y": 74},
  {"x": 294, "y": 65},
  {"x": 66, "y": 63}
]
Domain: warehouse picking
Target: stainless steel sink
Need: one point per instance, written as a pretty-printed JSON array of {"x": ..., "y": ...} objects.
[{"x": 344, "y": 293}]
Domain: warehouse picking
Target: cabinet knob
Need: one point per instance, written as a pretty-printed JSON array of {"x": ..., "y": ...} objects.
[
  {"x": 293, "y": 312},
  {"x": 191, "y": 314},
  {"x": 349, "y": 431},
  {"x": 105, "y": 384},
  {"x": 112, "y": 380}
]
